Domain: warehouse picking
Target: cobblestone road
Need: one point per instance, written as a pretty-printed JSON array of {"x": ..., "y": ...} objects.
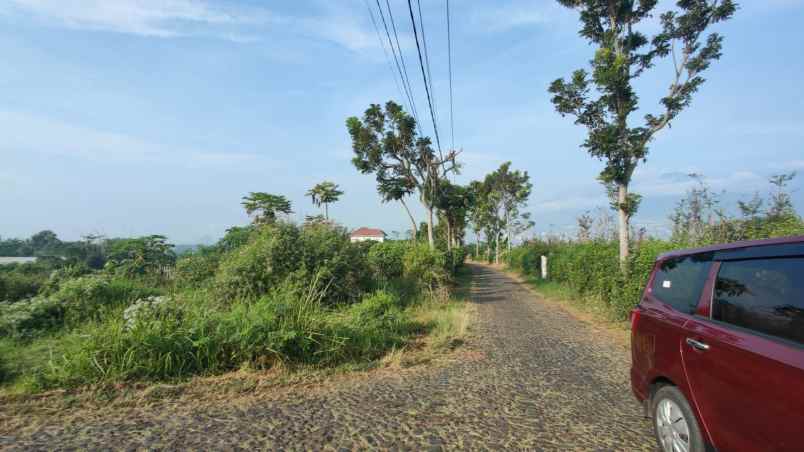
[{"x": 541, "y": 379}]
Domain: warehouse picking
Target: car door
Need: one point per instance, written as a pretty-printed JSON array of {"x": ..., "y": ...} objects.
[
  {"x": 744, "y": 359},
  {"x": 672, "y": 296}
]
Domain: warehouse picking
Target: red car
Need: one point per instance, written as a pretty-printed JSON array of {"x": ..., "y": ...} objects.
[{"x": 717, "y": 347}]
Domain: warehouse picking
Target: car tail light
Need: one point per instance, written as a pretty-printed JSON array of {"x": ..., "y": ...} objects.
[{"x": 634, "y": 318}]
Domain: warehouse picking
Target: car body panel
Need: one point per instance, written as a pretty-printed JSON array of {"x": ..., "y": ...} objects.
[{"x": 747, "y": 389}]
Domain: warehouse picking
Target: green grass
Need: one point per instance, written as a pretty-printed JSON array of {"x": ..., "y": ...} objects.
[
  {"x": 289, "y": 327},
  {"x": 564, "y": 294}
]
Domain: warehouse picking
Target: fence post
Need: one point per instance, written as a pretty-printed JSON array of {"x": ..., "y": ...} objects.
[{"x": 544, "y": 267}]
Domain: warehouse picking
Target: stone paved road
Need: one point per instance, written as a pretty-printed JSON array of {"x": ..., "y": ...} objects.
[{"x": 542, "y": 380}]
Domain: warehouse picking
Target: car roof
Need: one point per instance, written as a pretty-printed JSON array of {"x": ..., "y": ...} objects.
[{"x": 734, "y": 246}]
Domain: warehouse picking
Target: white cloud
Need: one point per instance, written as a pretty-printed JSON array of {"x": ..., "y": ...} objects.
[
  {"x": 23, "y": 133},
  {"x": 159, "y": 18},
  {"x": 179, "y": 18},
  {"x": 495, "y": 17},
  {"x": 650, "y": 182}
]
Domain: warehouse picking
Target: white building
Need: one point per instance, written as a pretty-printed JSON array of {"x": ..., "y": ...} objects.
[
  {"x": 363, "y": 234},
  {"x": 16, "y": 260}
]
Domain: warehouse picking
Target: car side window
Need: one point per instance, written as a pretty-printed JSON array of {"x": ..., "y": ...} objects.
[
  {"x": 679, "y": 281},
  {"x": 764, "y": 295}
]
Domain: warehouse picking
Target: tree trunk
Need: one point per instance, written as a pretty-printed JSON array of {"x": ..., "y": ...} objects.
[
  {"x": 497, "y": 254},
  {"x": 622, "y": 198},
  {"x": 326, "y": 211},
  {"x": 508, "y": 228},
  {"x": 477, "y": 244},
  {"x": 430, "y": 238},
  {"x": 449, "y": 236},
  {"x": 412, "y": 220}
]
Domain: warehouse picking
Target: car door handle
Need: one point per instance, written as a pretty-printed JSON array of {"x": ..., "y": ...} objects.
[{"x": 698, "y": 345}]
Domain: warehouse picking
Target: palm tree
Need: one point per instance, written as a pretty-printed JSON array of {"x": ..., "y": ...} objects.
[
  {"x": 265, "y": 207},
  {"x": 325, "y": 193}
]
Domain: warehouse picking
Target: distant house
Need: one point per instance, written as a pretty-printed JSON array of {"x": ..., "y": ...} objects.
[
  {"x": 363, "y": 234},
  {"x": 16, "y": 260}
]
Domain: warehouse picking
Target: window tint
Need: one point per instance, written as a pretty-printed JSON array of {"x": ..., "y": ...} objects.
[
  {"x": 765, "y": 295},
  {"x": 678, "y": 282}
]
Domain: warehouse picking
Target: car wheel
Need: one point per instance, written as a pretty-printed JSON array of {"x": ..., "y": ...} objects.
[{"x": 674, "y": 423}]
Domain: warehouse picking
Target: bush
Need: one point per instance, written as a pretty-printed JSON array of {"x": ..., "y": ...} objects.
[
  {"x": 328, "y": 255},
  {"x": 18, "y": 285},
  {"x": 426, "y": 266},
  {"x": 30, "y": 315},
  {"x": 287, "y": 324},
  {"x": 89, "y": 297},
  {"x": 285, "y": 251},
  {"x": 386, "y": 260},
  {"x": 76, "y": 301},
  {"x": 269, "y": 257},
  {"x": 196, "y": 270}
]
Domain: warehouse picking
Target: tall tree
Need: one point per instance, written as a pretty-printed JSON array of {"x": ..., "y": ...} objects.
[
  {"x": 623, "y": 54},
  {"x": 514, "y": 189},
  {"x": 265, "y": 207},
  {"x": 781, "y": 205},
  {"x": 386, "y": 144},
  {"x": 496, "y": 205},
  {"x": 453, "y": 204},
  {"x": 325, "y": 193}
]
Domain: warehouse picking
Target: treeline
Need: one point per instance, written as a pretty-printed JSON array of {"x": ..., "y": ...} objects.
[{"x": 587, "y": 265}]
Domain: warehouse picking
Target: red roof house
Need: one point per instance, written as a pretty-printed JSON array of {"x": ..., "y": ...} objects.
[{"x": 363, "y": 234}]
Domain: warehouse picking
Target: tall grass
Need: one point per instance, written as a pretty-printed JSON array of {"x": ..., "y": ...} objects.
[{"x": 289, "y": 325}]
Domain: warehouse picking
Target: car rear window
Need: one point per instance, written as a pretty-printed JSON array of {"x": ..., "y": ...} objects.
[
  {"x": 764, "y": 295},
  {"x": 678, "y": 282}
]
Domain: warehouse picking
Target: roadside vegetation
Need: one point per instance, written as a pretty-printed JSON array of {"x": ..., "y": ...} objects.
[
  {"x": 265, "y": 294},
  {"x": 269, "y": 294},
  {"x": 585, "y": 268}
]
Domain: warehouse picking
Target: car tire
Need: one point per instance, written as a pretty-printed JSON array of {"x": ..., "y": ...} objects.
[{"x": 669, "y": 408}]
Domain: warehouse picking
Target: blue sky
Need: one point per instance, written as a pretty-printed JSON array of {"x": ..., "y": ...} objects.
[{"x": 132, "y": 117}]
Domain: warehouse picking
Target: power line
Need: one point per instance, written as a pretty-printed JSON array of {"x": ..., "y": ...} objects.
[
  {"x": 427, "y": 58},
  {"x": 402, "y": 59},
  {"x": 424, "y": 77},
  {"x": 449, "y": 63},
  {"x": 405, "y": 82},
  {"x": 385, "y": 52}
]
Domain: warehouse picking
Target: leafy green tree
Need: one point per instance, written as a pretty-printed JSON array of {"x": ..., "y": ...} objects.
[
  {"x": 453, "y": 205},
  {"x": 142, "y": 255},
  {"x": 781, "y": 205},
  {"x": 603, "y": 100},
  {"x": 325, "y": 193},
  {"x": 386, "y": 144},
  {"x": 497, "y": 205},
  {"x": 45, "y": 243},
  {"x": 265, "y": 207}
]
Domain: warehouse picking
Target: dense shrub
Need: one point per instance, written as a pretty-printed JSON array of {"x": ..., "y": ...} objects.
[
  {"x": 89, "y": 297},
  {"x": 455, "y": 259},
  {"x": 386, "y": 259},
  {"x": 30, "y": 315},
  {"x": 287, "y": 324},
  {"x": 17, "y": 285},
  {"x": 76, "y": 301},
  {"x": 426, "y": 266},
  {"x": 269, "y": 257},
  {"x": 591, "y": 270},
  {"x": 328, "y": 255},
  {"x": 285, "y": 251},
  {"x": 196, "y": 270}
]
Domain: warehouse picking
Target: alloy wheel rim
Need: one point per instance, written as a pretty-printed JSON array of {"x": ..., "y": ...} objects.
[{"x": 672, "y": 427}]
